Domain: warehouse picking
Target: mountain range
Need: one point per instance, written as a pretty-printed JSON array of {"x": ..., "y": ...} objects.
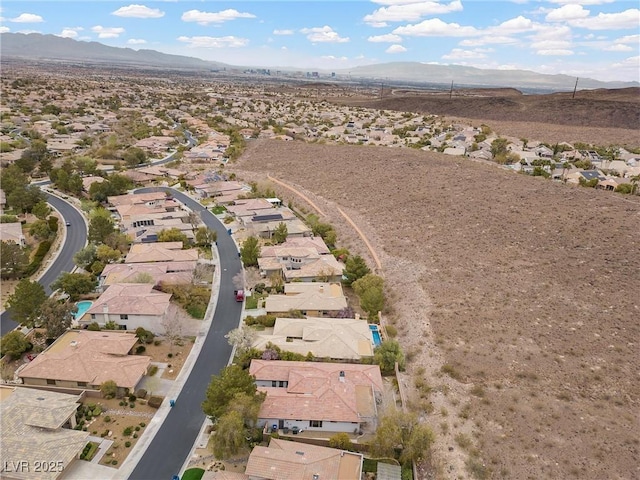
[{"x": 35, "y": 46}]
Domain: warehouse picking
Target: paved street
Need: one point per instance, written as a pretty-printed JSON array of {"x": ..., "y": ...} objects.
[{"x": 173, "y": 441}]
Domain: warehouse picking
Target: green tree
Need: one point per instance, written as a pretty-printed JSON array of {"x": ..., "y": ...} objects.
[
  {"x": 11, "y": 179},
  {"x": 280, "y": 233},
  {"x": 134, "y": 156},
  {"x": 56, "y": 316},
  {"x": 625, "y": 188},
  {"x": 74, "y": 284},
  {"x": 173, "y": 235},
  {"x": 13, "y": 260},
  {"x": 106, "y": 254},
  {"x": 499, "y": 147},
  {"x": 341, "y": 441},
  {"x": 36, "y": 152},
  {"x": 25, "y": 198},
  {"x": 14, "y": 344},
  {"x": 40, "y": 230},
  {"x": 223, "y": 388},
  {"x": 370, "y": 291},
  {"x": 248, "y": 406},
  {"x": 205, "y": 236},
  {"x": 230, "y": 435},
  {"x": 85, "y": 257},
  {"x": 400, "y": 435},
  {"x": 100, "y": 225},
  {"x": 25, "y": 301},
  {"x": 109, "y": 389},
  {"x": 355, "y": 268},
  {"x": 41, "y": 210},
  {"x": 118, "y": 241},
  {"x": 250, "y": 252},
  {"x": 387, "y": 354}
]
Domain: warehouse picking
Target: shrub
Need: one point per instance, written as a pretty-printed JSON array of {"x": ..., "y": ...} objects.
[
  {"x": 132, "y": 405},
  {"x": 451, "y": 371},
  {"x": 127, "y": 444},
  {"x": 127, "y": 431},
  {"x": 94, "y": 327},
  {"x": 114, "y": 462},
  {"x": 152, "y": 370},
  {"x": 155, "y": 401},
  {"x": 137, "y": 428},
  {"x": 141, "y": 392},
  {"x": 169, "y": 355},
  {"x": 132, "y": 398},
  {"x": 157, "y": 342},
  {"x": 140, "y": 349},
  {"x": 135, "y": 435},
  {"x": 109, "y": 389},
  {"x": 391, "y": 331},
  {"x": 142, "y": 424},
  {"x": 107, "y": 419},
  {"x": 96, "y": 411}
]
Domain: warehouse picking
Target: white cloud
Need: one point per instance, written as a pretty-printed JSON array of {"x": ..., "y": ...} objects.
[
  {"x": 581, "y": 2},
  {"x": 323, "y": 35},
  {"x": 395, "y": 49},
  {"x": 333, "y": 57},
  {"x": 283, "y": 32},
  {"x": 4, "y": 29},
  {"x": 205, "y": 18},
  {"x": 136, "y": 41},
  {"x": 70, "y": 32},
  {"x": 567, "y": 12},
  {"x": 389, "y": 38},
  {"x": 27, "y": 18},
  {"x": 434, "y": 27},
  {"x": 214, "y": 42},
  {"x": 618, "y": 47},
  {"x": 635, "y": 39},
  {"x": 410, "y": 12},
  {"x": 488, "y": 39},
  {"x": 138, "y": 11},
  {"x": 557, "y": 52},
  {"x": 514, "y": 25},
  {"x": 107, "y": 32},
  {"x": 609, "y": 21},
  {"x": 458, "y": 53}
]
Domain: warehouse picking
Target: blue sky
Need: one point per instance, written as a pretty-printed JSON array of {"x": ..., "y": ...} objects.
[{"x": 597, "y": 39}]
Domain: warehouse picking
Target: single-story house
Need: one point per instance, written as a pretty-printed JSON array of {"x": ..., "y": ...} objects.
[
  {"x": 174, "y": 273},
  {"x": 318, "y": 396},
  {"x": 160, "y": 252},
  {"x": 334, "y": 338},
  {"x": 285, "y": 460},
  {"x": 37, "y": 430},
  {"x": 12, "y": 232},
  {"x": 84, "y": 359},
  {"x": 130, "y": 305},
  {"x": 316, "y": 299}
]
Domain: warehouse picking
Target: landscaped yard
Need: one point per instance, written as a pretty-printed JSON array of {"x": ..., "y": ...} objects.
[{"x": 174, "y": 355}]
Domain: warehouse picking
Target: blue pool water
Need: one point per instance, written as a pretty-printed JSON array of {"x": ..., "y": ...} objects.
[
  {"x": 375, "y": 334},
  {"x": 82, "y": 308}
]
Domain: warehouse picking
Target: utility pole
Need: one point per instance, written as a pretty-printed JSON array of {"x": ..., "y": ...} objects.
[
  {"x": 574, "y": 89},
  {"x": 451, "y": 90}
]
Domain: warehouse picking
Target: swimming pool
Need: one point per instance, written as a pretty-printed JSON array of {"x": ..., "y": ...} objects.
[
  {"x": 83, "y": 306},
  {"x": 375, "y": 334}
]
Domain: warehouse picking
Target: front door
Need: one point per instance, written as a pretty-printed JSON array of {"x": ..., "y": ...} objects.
[{"x": 281, "y": 424}]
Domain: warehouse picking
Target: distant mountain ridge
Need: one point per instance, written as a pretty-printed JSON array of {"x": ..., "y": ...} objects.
[{"x": 35, "y": 46}]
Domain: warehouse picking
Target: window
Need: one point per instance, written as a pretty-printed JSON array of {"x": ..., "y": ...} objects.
[
  {"x": 274, "y": 383},
  {"x": 51, "y": 382},
  {"x": 124, "y": 317},
  {"x": 315, "y": 423},
  {"x": 283, "y": 383},
  {"x": 82, "y": 384},
  {"x": 93, "y": 316}
]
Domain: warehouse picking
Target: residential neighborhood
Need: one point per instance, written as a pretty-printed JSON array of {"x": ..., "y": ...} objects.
[{"x": 175, "y": 244}]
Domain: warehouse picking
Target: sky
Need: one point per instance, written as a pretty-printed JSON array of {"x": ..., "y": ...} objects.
[{"x": 598, "y": 39}]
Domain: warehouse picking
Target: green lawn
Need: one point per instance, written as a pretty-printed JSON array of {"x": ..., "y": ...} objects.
[{"x": 193, "y": 474}]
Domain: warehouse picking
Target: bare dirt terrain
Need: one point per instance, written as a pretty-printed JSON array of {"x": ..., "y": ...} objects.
[
  {"x": 525, "y": 290},
  {"x": 601, "y": 117}
]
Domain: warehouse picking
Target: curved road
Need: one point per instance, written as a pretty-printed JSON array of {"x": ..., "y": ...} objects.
[
  {"x": 75, "y": 240},
  {"x": 172, "y": 443}
]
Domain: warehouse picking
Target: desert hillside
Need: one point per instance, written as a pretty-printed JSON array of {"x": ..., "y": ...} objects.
[{"x": 524, "y": 290}]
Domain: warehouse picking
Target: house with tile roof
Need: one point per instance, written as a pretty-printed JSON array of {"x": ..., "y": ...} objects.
[
  {"x": 316, "y": 299},
  {"x": 174, "y": 273},
  {"x": 130, "y": 305},
  {"x": 37, "y": 427},
  {"x": 160, "y": 252},
  {"x": 84, "y": 359},
  {"x": 317, "y": 396},
  {"x": 299, "y": 263},
  {"x": 333, "y": 338},
  {"x": 12, "y": 232},
  {"x": 285, "y": 460}
]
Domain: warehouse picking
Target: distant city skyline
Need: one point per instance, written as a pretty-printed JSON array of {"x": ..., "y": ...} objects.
[{"x": 596, "y": 39}]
